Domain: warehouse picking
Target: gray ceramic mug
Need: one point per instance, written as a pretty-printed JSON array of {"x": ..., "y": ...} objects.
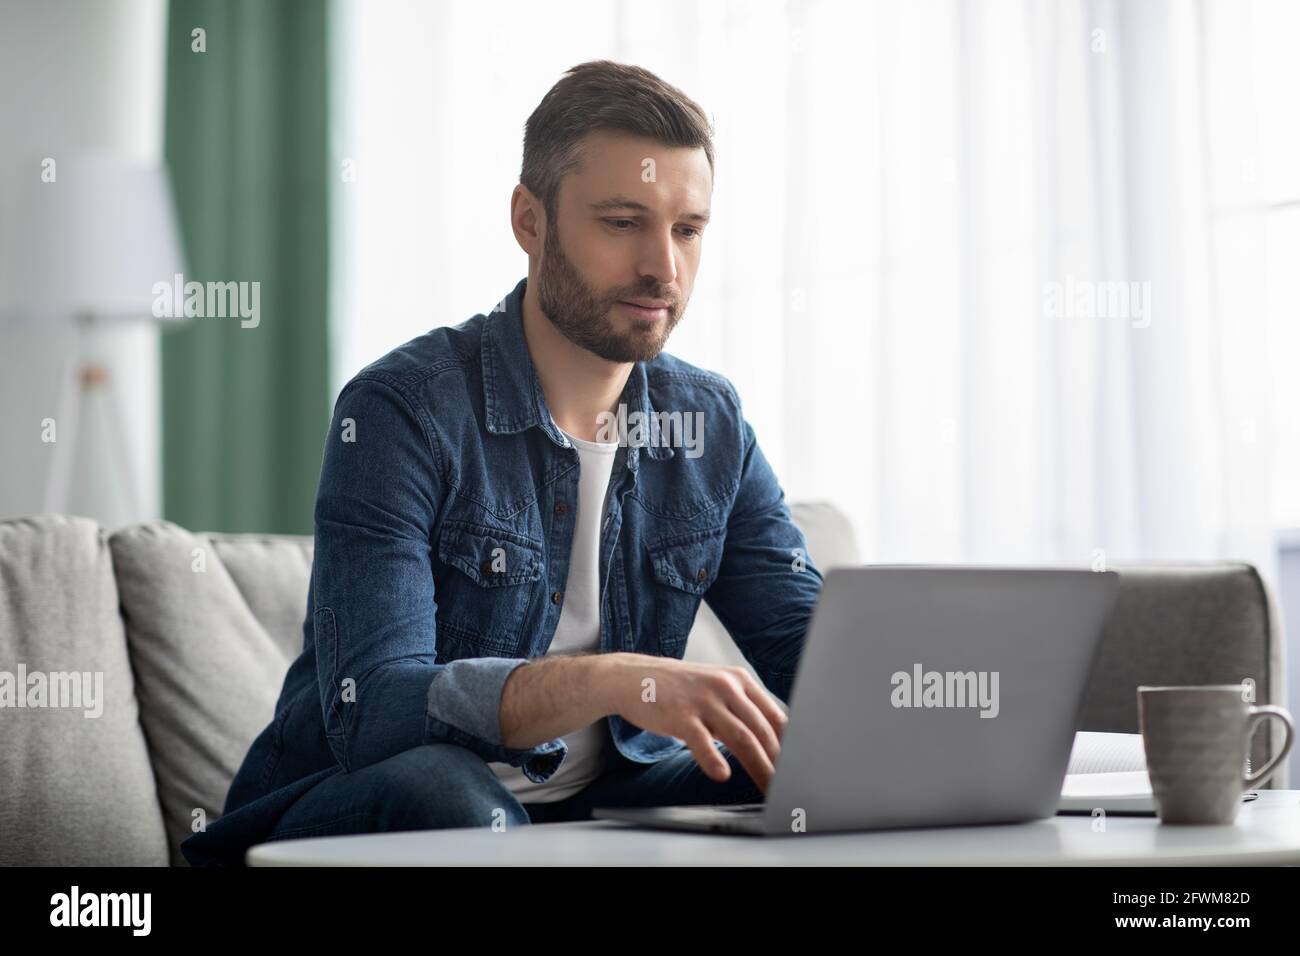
[{"x": 1197, "y": 741}]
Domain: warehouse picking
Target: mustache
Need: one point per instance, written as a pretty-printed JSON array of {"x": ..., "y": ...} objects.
[{"x": 672, "y": 300}]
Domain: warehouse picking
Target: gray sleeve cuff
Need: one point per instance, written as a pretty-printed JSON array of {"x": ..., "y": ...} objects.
[{"x": 464, "y": 707}]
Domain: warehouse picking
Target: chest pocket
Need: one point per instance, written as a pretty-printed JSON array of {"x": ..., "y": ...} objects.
[
  {"x": 486, "y": 601},
  {"x": 683, "y": 567}
]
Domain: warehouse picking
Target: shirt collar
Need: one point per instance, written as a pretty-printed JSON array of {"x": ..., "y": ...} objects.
[{"x": 512, "y": 394}]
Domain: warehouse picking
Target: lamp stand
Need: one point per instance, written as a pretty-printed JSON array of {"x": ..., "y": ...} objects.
[{"x": 84, "y": 383}]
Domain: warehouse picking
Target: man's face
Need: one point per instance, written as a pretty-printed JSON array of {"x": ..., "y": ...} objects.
[{"x": 617, "y": 239}]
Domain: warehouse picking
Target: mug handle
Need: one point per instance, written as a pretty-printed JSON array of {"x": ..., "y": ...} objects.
[{"x": 1258, "y": 714}]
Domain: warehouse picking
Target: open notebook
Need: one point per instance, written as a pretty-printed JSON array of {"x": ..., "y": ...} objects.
[{"x": 1109, "y": 771}]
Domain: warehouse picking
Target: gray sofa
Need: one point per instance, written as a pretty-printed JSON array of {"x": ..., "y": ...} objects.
[{"x": 192, "y": 634}]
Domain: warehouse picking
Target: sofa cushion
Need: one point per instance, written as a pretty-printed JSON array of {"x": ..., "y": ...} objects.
[
  {"x": 76, "y": 784},
  {"x": 212, "y": 622}
]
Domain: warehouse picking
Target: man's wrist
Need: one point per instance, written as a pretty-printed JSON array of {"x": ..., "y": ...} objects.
[
  {"x": 616, "y": 680},
  {"x": 604, "y": 682},
  {"x": 553, "y": 695}
]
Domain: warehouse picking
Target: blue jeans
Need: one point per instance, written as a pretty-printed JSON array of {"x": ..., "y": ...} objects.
[{"x": 440, "y": 786}]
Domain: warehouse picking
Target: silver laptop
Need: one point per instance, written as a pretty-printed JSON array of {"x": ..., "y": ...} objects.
[{"x": 925, "y": 696}]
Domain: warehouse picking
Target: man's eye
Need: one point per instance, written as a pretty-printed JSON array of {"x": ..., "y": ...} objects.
[{"x": 694, "y": 233}]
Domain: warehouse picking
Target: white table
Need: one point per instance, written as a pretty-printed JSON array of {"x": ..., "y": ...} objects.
[{"x": 1267, "y": 832}]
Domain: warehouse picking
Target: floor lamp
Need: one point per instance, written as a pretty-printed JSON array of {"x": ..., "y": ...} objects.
[{"x": 86, "y": 240}]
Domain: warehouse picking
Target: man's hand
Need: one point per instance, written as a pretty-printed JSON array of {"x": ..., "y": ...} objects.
[{"x": 697, "y": 703}]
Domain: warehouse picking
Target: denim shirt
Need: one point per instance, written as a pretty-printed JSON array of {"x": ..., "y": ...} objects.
[{"x": 444, "y": 520}]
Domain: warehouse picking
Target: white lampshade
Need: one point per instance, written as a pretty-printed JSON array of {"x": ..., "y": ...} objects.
[{"x": 93, "y": 242}]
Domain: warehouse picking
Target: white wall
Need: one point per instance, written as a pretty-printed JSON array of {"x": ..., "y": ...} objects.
[{"x": 78, "y": 76}]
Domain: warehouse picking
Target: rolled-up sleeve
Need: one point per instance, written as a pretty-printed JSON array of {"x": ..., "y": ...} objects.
[{"x": 373, "y": 602}]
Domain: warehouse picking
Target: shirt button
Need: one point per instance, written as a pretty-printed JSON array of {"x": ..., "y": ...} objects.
[
  {"x": 556, "y": 597},
  {"x": 702, "y": 576},
  {"x": 486, "y": 568},
  {"x": 561, "y": 507}
]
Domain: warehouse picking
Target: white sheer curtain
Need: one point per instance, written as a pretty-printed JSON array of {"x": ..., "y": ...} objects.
[{"x": 913, "y": 200}]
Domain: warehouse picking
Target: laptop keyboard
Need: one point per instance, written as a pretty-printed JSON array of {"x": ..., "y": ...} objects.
[{"x": 740, "y": 807}]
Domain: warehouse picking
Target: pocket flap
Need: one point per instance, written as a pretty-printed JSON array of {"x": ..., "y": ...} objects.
[
  {"x": 688, "y": 562},
  {"x": 490, "y": 556}
]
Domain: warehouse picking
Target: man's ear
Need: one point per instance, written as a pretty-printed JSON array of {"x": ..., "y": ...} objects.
[{"x": 527, "y": 220}]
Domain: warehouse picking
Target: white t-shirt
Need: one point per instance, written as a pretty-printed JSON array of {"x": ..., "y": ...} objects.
[{"x": 578, "y": 630}]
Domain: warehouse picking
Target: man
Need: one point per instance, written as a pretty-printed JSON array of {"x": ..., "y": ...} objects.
[{"x": 518, "y": 518}]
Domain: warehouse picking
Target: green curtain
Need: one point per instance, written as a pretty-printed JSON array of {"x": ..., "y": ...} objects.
[{"x": 245, "y": 410}]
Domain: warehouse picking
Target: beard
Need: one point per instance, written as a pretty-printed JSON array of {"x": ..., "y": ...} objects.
[{"x": 583, "y": 316}]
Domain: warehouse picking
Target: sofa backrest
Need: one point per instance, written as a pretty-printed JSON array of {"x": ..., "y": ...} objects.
[
  {"x": 209, "y": 623},
  {"x": 1194, "y": 623}
]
